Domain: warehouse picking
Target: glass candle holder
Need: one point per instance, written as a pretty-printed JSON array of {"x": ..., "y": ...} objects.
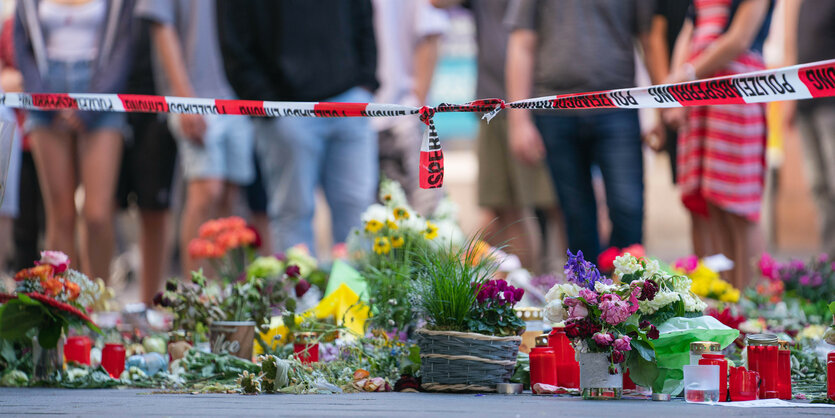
[
  {"x": 77, "y": 349},
  {"x": 113, "y": 359},
  {"x": 718, "y": 360},
  {"x": 784, "y": 371},
  {"x": 744, "y": 384},
  {"x": 543, "y": 363},
  {"x": 830, "y": 376},
  {"x": 763, "y": 358},
  {"x": 568, "y": 369}
]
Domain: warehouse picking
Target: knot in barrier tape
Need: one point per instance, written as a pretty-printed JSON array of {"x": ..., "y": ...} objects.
[{"x": 426, "y": 114}]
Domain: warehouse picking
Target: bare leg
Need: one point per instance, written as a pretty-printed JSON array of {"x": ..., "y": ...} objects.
[
  {"x": 202, "y": 198},
  {"x": 721, "y": 236},
  {"x": 54, "y": 156},
  {"x": 154, "y": 247},
  {"x": 700, "y": 232},
  {"x": 5, "y": 240},
  {"x": 100, "y": 154},
  {"x": 231, "y": 193},
  {"x": 262, "y": 224},
  {"x": 748, "y": 243}
]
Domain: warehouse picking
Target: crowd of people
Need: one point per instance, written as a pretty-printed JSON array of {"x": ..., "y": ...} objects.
[{"x": 540, "y": 163}]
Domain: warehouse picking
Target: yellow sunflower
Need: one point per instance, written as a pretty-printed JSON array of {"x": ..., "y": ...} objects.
[
  {"x": 401, "y": 213},
  {"x": 391, "y": 225},
  {"x": 382, "y": 245},
  {"x": 431, "y": 231},
  {"x": 397, "y": 241},
  {"x": 373, "y": 226}
]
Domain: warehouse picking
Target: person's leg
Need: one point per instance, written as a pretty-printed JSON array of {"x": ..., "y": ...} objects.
[
  {"x": 569, "y": 161},
  {"x": 202, "y": 199},
  {"x": 54, "y": 155},
  {"x": 619, "y": 155},
  {"x": 27, "y": 226},
  {"x": 817, "y": 129},
  {"x": 748, "y": 244},
  {"x": 700, "y": 232},
  {"x": 256, "y": 198},
  {"x": 154, "y": 248},
  {"x": 722, "y": 236},
  {"x": 290, "y": 152},
  {"x": 349, "y": 173},
  {"x": 100, "y": 155}
]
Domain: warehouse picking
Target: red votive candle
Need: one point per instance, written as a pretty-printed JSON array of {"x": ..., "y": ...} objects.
[
  {"x": 718, "y": 360},
  {"x": 830, "y": 376},
  {"x": 744, "y": 384},
  {"x": 765, "y": 361},
  {"x": 543, "y": 363},
  {"x": 628, "y": 384},
  {"x": 113, "y": 359},
  {"x": 784, "y": 371},
  {"x": 77, "y": 349},
  {"x": 568, "y": 369}
]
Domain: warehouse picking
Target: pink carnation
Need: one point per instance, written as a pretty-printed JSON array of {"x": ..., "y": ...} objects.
[
  {"x": 603, "y": 340},
  {"x": 578, "y": 311},
  {"x": 613, "y": 310},
  {"x": 56, "y": 259},
  {"x": 589, "y": 295},
  {"x": 622, "y": 343},
  {"x": 768, "y": 267}
]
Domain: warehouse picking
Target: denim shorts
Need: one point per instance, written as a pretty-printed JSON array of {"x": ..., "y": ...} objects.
[
  {"x": 226, "y": 151},
  {"x": 72, "y": 77}
]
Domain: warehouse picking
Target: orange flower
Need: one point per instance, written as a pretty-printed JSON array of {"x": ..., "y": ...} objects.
[
  {"x": 41, "y": 272},
  {"x": 210, "y": 228},
  {"x": 234, "y": 222},
  {"x": 202, "y": 248},
  {"x": 73, "y": 290},
  {"x": 52, "y": 287}
]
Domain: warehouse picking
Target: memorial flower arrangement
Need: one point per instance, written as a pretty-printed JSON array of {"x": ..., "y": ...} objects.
[
  {"x": 601, "y": 316},
  {"x": 706, "y": 282},
  {"x": 811, "y": 284},
  {"x": 383, "y": 251},
  {"x": 49, "y": 298},
  {"x": 606, "y": 259}
]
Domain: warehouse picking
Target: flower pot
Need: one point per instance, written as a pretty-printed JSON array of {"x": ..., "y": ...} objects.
[
  {"x": 465, "y": 361},
  {"x": 46, "y": 361},
  {"x": 232, "y": 337},
  {"x": 595, "y": 380}
]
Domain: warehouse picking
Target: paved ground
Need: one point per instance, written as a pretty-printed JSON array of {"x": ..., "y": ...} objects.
[{"x": 113, "y": 402}]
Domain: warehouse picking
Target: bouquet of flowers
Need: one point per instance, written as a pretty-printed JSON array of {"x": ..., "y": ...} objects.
[
  {"x": 49, "y": 298},
  {"x": 601, "y": 316},
  {"x": 228, "y": 243},
  {"x": 383, "y": 251}
]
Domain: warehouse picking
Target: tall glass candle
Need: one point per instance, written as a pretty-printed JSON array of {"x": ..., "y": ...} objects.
[
  {"x": 784, "y": 371},
  {"x": 763, "y": 358}
]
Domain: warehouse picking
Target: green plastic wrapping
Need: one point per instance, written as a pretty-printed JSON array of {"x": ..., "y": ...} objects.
[{"x": 672, "y": 348}]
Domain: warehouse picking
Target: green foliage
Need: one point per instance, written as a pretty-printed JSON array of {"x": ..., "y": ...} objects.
[
  {"x": 389, "y": 289},
  {"x": 495, "y": 320},
  {"x": 448, "y": 282}
]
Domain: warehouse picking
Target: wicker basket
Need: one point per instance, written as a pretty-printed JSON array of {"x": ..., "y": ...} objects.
[{"x": 465, "y": 361}]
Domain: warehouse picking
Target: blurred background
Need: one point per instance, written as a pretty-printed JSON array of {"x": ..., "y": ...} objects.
[{"x": 789, "y": 218}]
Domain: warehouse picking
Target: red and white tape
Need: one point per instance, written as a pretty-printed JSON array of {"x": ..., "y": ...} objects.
[{"x": 805, "y": 81}]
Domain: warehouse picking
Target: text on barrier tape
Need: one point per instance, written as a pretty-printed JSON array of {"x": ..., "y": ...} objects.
[{"x": 805, "y": 81}]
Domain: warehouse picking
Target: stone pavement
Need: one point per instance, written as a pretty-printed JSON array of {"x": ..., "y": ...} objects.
[{"x": 114, "y": 402}]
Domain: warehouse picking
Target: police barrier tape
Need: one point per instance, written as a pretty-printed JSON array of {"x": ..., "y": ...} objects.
[{"x": 805, "y": 81}]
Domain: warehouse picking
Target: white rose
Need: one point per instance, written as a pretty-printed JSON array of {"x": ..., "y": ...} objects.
[
  {"x": 601, "y": 287},
  {"x": 561, "y": 290},
  {"x": 555, "y": 312},
  {"x": 626, "y": 264}
]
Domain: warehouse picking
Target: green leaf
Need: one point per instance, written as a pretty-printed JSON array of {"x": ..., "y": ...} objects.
[
  {"x": 633, "y": 320},
  {"x": 832, "y": 307},
  {"x": 18, "y": 317},
  {"x": 49, "y": 333},
  {"x": 643, "y": 348},
  {"x": 643, "y": 372}
]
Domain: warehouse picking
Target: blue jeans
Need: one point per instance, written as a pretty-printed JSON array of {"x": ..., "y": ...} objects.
[
  {"x": 297, "y": 154},
  {"x": 611, "y": 141}
]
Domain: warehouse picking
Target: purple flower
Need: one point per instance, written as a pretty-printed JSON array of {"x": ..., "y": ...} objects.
[
  {"x": 796, "y": 265},
  {"x": 622, "y": 343},
  {"x": 823, "y": 258},
  {"x": 302, "y": 287},
  {"x": 581, "y": 272},
  {"x": 589, "y": 295},
  {"x": 501, "y": 284},
  {"x": 482, "y": 295},
  {"x": 817, "y": 280},
  {"x": 804, "y": 280},
  {"x": 518, "y": 293},
  {"x": 603, "y": 340},
  {"x": 508, "y": 296}
]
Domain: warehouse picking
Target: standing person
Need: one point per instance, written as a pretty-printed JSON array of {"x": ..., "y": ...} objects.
[
  {"x": 81, "y": 46},
  {"x": 721, "y": 162},
  {"x": 810, "y": 37},
  {"x": 507, "y": 188},
  {"x": 11, "y": 81},
  {"x": 216, "y": 151},
  {"x": 408, "y": 33},
  {"x": 666, "y": 25},
  {"x": 298, "y": 50},
  {"x": 572, "y": 46},
  {"x": 147, "y": 171}
]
